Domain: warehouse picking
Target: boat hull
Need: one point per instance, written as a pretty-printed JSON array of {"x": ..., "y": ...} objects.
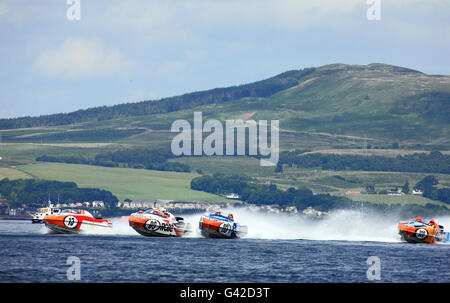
[
  {"x": 417, "y": 232},
  {"x": 153, "y": 226},
  {"x": 225, "y": 229},
  {"x": 75, "y": 224}
]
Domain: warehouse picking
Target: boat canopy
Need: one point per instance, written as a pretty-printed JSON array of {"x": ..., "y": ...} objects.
[
  {"x": 154, "y": 212},
  {"x": 220, "y": 218},
  {"x": 77, "y": 212}
]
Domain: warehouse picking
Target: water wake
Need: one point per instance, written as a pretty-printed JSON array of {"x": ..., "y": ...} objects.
[
  {"x": 341, "y": 225},
  {"x": 345, "y": 225}
]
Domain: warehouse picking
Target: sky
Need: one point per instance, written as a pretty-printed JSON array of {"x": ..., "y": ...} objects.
[{"x": 64, "y": 55}]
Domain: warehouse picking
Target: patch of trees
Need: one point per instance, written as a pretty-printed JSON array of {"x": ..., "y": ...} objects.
[
  {"x": 262, "y": 88},
  {"x": 35, "y": 193},
  {"x": 434, "y": 162},
  {"x": 132, "y": 158},
  {"x": 289, "y": 157},
  {"x": 264, "y": 194},
  {"x": 427, "y": 185}
]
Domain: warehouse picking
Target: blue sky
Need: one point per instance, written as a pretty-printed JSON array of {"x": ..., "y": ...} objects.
[{"x": 129, "y": 51}]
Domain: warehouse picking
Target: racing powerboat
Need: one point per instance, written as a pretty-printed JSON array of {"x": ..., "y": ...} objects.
[
  {"x": 38, "y": 217},
  {"x": 70, "y": 221},
  {"x": 414, "y": 231},
  {"x": 158, "y": 223},
  {"x": 215, "y": 225}
]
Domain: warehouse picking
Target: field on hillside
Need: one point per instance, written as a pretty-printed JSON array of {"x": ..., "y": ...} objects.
[
  {"x": 147, "y": 184},
  {"x": 29, "y": 151},
  {"x": 309, "y": 177},
  {"x": 324, "y": 181},
  {"x": 122, "y": 182},
  {"x": 385, "y": 199},
  {"x": 12, "y": 173}
]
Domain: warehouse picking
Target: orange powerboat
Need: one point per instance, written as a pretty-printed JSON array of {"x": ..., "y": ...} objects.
[
  {"x": 70, "y": 221},
  {"x": 417, "y": 231}
]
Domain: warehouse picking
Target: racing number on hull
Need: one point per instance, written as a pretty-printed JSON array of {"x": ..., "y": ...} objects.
[
  {"x": 421, "y": 233},
  {"x": 225, "y": 228},
  {"x": 154, "y": 225},
  {"x": 70, "y": 222}
]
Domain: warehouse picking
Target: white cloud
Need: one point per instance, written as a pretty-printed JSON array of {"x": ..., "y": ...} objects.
[
  {"x": 81, "y": 58},
  {"x": 168, "y": 20},
  {"x": 171, "y": 14},
  {"x": 173, "y": 20}
]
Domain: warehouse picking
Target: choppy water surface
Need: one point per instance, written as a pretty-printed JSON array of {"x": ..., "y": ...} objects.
[{"x": 279, "y": 248}]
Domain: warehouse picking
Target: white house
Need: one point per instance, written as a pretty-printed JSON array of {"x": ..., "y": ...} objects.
[
  {"x": 123, "y": 204},
  {"x": 395, "y": 193},
  {"x": 98, "y": 204},
  {"x": 232, "y": 196}
]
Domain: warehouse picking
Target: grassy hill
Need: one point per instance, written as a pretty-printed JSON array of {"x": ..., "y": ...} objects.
[
  {"x": 338, "y": 109},
  {"x": 124, "y": 183},
  {"x": 334, "y": 106}
]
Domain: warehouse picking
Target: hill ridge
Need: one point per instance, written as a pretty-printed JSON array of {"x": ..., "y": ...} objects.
[{"x": 262, "y": 88}]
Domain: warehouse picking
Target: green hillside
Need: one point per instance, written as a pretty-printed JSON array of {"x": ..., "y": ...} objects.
[
  {"x": 366, "y": 110},
  {"x": 124, "y": 183},
  {"x": 333, "y": 106}
]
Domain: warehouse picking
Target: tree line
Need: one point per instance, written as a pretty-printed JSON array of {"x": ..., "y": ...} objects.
[
  {"x": 427, "y": 185},
  {"x": 266, "y": 194},
  {"x": 35, "y": 193},
  {"x": 434, "y": 162},
  {"x": 145, "y": 158}
]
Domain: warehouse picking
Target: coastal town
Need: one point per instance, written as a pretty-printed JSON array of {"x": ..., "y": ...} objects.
[{"x": 25, "y": 212}]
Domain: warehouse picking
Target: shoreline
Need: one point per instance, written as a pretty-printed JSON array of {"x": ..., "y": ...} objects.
[{"x": 15, "y": 218}]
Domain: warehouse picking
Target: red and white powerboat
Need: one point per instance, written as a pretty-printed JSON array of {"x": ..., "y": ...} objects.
[
  {"x": 158, "y": 223},
  {"x": 71, "y": 221}
]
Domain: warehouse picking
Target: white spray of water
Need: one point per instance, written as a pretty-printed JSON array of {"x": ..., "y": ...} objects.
[
  {"x": 342, "y": 225},
  {"x": 445, "y": 222},
  {"x": 122, "y": 227},
  {"x": 345, "y": 225}
]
